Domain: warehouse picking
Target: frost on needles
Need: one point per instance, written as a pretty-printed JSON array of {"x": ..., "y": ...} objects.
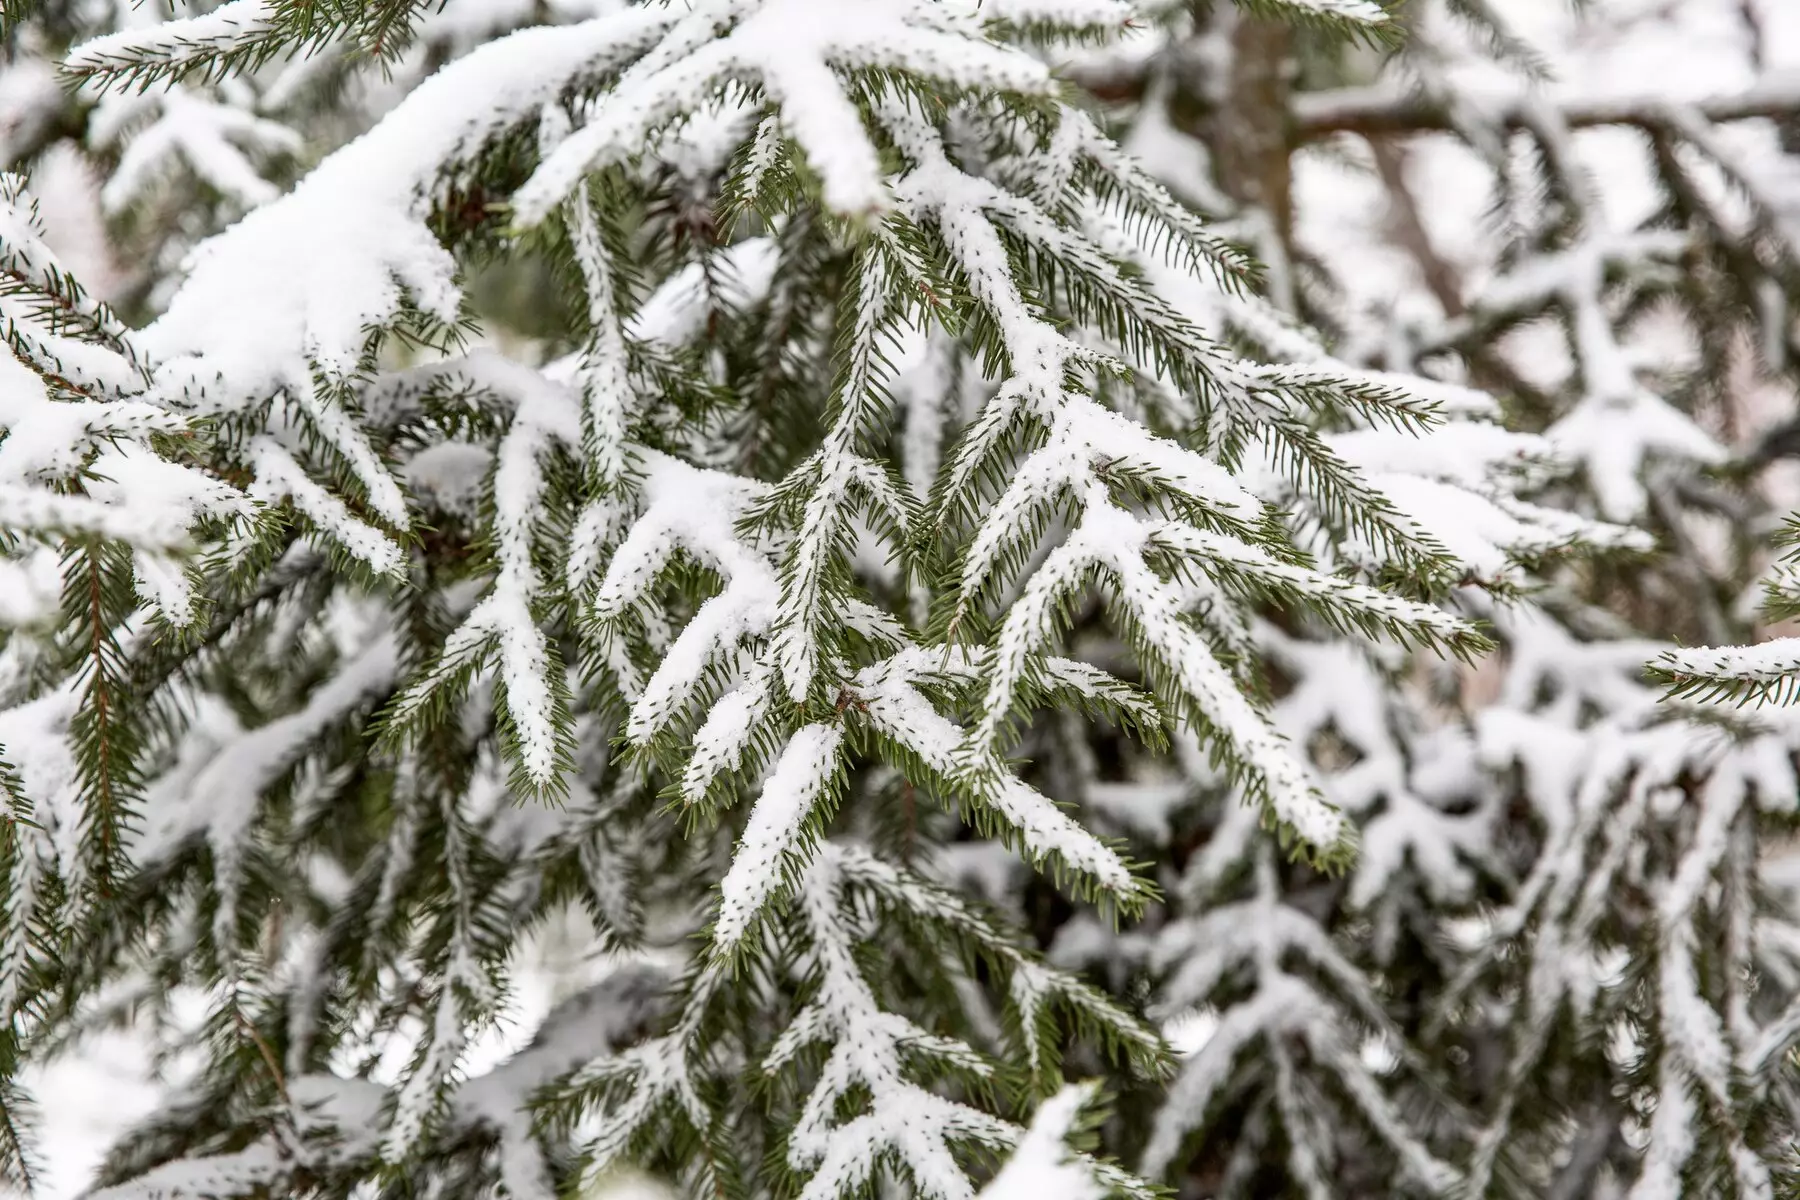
[{"x": 890, "y": 411}]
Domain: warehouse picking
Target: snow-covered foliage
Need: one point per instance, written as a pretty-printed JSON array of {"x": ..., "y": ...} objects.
[
  {"x": 1560, "y": 952},
  {"x": 956, "y": 585}
]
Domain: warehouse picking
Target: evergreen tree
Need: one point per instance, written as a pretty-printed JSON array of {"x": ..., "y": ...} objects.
[{"x": 940, "y": 595}]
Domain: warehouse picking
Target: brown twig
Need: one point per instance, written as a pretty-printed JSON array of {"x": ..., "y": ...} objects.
[
  {"x": 1409, "y": 227},
  {"x": 249, "y": 1029},
  {"x": 1385, "y": 111}
]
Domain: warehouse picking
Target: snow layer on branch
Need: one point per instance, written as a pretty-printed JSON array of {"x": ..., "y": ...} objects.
[
  {"x": 296, "y": 285},
  {"x": 1356, "y": 10},
  {"x": 218, "y": 141},
  {"x": 675, "y": 314},
  {"x": 1610, "y": 776},
  {"x": 870, "y": 1048},
  {"x": 300, "y": 281},
  {"x": 30, "y": 96},
  {"x": 1303, "y": 990},
  {"x": 798, "y": 53},
  {"x": 504, "y": 623},
  {"x": 1458, "y": 483},
  {"x": 36, "y": 740},
  {"x": 73, "y": 408},
  {"x": 802, "y": 777},
  {"x": 898, "y": 709},
  {"x": 693, "y": 511},
  {"x": 219, "y": 796},
  {"x": 187, "y": 39},
  {"x": 1113, "y": 538},
  {"x": 1042, "y": 1166},
  {"x": 1339, "y": 689},
  {"x": 605, "y": 1018},
  {"x": 1450, "y": 472},
  {"x": 1764, "y": 666},
  {"x": 1612, "y": 437},
  {"x": 258, "y": 1167}
]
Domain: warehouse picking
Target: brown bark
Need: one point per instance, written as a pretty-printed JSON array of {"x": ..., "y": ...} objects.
[
  {"x": 1249, "y": 134},
  {"x": 1383, "y": 111},
  {"x": 1409, "y": 230}
]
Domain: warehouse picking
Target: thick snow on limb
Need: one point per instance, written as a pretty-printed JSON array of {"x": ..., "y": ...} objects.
[
  {"x": 797, "y": 52},
  {"x": 74, "y": 406},
  {"x": 283, "y": 302}
]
